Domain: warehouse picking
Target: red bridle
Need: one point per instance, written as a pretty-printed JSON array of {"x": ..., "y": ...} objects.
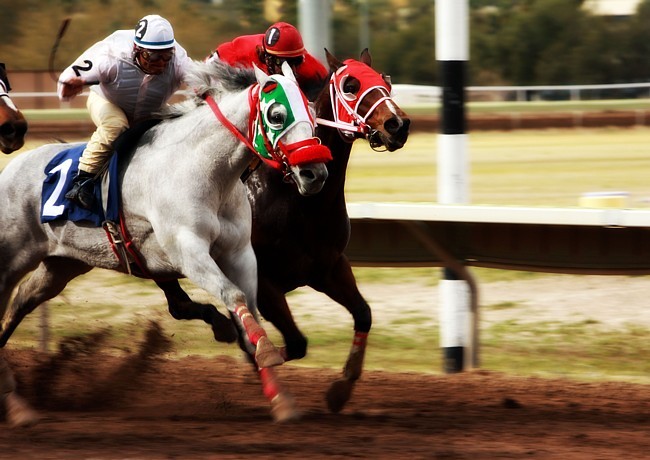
[
  {"x": 347, "y": 118},
  {"x": 283, "y": 156}
]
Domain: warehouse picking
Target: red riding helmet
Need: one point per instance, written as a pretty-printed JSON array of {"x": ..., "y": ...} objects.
[{"x": 283, "y": 40}]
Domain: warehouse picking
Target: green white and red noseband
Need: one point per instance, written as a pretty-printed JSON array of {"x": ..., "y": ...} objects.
[{"x": 265, "y": 135}]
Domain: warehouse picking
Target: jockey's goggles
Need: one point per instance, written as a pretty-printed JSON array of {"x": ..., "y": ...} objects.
[
  {"x": 292, "y": 61},
  {"x": 155, "y": 56}
]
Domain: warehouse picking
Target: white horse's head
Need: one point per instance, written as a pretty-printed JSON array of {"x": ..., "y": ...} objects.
[
  {"x": 283, "y": 131},
  {"x": 281, "y": 126}
]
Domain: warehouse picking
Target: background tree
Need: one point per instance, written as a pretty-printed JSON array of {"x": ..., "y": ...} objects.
[{"x": 515, "y": 42}]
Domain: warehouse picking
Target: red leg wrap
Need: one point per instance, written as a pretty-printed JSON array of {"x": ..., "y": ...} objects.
[
  {"x": 253, "y": 330},
  {"x": 270, "y": 385},
  {"x": 359, "y": 342}
]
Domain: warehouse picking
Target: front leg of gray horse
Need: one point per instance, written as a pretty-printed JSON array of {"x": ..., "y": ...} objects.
[
  {"x": 181, "y": 306},
  {"x": 199, "y": 267}
]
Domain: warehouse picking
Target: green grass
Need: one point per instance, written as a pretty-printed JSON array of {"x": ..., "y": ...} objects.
[
  {"x": 516, "y": 107},
  {"x": 582, "y": 350},
  {"x": 524, "y": 168}
]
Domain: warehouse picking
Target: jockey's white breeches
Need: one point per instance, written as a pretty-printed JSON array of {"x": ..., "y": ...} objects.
[{"x": 111, "y": 122}]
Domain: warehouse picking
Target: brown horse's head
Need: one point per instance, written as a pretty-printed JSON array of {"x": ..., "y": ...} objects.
[
  {"x": 363, "y": 101},
  {"x": 13, "y": 125}
]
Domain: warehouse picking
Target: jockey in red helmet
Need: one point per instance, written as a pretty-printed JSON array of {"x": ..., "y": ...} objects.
[{"x": 281, "y": 42}]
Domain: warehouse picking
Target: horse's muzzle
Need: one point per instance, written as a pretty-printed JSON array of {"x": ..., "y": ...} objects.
[
  {"x": 310, "y": 177},
  {"x": 12, "y": 136},
  {"x": 393, "y": 136}
]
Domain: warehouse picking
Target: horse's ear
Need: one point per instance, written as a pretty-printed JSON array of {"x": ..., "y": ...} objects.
[
  {"x": 287, "y": 72},
  {"x": 365, "y": 57},
  {"x": 332, "y": 61},
  {"x": 260, "y": 75}
]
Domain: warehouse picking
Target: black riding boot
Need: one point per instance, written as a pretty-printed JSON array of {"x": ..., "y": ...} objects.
[{"x": 82, "y": 191}]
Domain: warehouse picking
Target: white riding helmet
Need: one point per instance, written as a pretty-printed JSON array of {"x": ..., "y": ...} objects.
[{"x": 154, "y": 32}]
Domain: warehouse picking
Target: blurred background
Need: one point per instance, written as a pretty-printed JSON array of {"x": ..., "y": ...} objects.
[{"x": 513, "y": 42}]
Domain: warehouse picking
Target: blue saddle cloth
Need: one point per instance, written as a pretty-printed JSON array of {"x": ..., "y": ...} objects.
[{"x": 60, "y": 173}]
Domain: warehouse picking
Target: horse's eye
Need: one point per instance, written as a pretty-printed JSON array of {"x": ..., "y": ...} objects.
[
  {"x": 276, "y": 115},
  {"x": 351, "y": 87}
]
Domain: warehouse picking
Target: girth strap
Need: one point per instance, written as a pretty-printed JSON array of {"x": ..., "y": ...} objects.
[{"x": 124, "y": 248}]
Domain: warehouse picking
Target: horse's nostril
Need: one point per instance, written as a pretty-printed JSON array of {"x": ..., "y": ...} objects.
[
  {"x": 7, "y": 129},
  {"x": 393, "y": 125},
  {"x": 307, "y": 174}
]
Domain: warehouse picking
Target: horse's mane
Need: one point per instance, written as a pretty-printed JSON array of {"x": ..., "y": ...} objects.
[{"x": 214, "y": 78}]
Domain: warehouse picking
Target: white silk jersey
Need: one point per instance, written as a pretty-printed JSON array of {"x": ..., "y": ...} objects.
[{"x": 109, "y": 67}]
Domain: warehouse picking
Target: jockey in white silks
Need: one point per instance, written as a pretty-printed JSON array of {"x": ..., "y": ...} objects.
[{"x": 133, "y": 73}]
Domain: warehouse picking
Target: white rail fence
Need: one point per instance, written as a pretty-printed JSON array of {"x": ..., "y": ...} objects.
[{"x": 421, "y": 95}]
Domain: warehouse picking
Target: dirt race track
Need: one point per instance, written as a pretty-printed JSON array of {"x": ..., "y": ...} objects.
[
  {"x": 143, "y": 406},
  {"x": 96, "y": 405}
]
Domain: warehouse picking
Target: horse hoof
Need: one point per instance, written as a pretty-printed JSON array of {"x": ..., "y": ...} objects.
[
  {"x": 339, "y": 394},
  {"x": 224, "y": 330},
  {"x": 266, "y": 355},
  {"x": 283, "y": 409},
  {"x": 19, "y": 414}
]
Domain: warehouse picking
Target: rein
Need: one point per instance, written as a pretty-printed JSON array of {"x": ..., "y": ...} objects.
[
  {"x": 254, "y": 103},
  {"x": 282, "y": 155},
  {"x": 224, "y": 121}
]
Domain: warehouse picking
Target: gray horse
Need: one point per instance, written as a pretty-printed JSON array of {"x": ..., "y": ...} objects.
[{"x": 183, "y": 203}]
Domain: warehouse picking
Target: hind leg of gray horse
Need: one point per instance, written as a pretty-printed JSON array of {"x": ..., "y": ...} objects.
[
  {"x": 18, "y": 411},
  {"x": 48, "y": 280},
  {"x": 181, "y": 306},
  {"x": 12, "y": 269}
]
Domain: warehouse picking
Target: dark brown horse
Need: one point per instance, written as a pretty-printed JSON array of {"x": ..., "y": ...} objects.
[
  {"x": 300, "y": 241},
  {"x": 13, "y": 125}
]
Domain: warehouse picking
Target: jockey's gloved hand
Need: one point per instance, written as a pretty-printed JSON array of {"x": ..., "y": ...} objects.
[
  {"x": 72, "y": 87},
  {"x": 82, "y": 191}
]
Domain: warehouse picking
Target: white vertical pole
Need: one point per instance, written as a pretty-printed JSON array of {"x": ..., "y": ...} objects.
[
  {"x": 364, "y": 26},
  {"x": 452, "y": 53},
  {"x": 314, "y": 23}
]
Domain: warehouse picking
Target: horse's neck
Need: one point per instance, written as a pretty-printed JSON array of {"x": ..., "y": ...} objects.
[
  {"x": 220, "y": 146},
  {"x": 237, "y": 111},
  {"x": 330, "y": 137},
  {"x": 198, "y": 142}
]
